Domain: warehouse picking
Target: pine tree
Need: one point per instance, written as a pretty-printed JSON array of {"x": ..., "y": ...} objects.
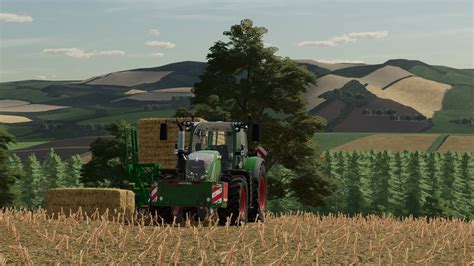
[
  {"x": 54, "y": 170},
  {"x": 328, "y": 169},
  {"x": 413, "y": 202},
  {"x": 33, "y": 184},
  {"x": 73, "y": 172},
  {"x": 340, "y": 171},
  {"x": 447, "y": 177},
  {"x": 16, "y": 167},
  {"x": 396, "y": 181},
  {"x": 379, "y": 183},
  {"x": 462, "y": 191},
  {"x": 432, "y": 205},
  {"x": 355, "y": 202},
  {"x": 7, "y": 176}
]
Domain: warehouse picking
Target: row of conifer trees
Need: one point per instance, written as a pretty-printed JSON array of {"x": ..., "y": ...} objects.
[
  {"x": 401, "y": 183},
  {"x": 35, "y": 177}
]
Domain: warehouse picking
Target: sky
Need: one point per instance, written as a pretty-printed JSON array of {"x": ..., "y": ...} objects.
[{"x": 79, "y": 39}]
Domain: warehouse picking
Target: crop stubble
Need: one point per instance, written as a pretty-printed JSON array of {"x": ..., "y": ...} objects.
[{"x": 301, "y": 238}]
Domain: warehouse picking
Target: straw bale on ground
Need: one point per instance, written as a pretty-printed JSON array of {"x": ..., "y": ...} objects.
[{"x": 90, "y": 199}]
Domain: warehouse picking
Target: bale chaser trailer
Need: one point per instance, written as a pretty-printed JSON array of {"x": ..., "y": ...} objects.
[{"x": 211, "y": 171}]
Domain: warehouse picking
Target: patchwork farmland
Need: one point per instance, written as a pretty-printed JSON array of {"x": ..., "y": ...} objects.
[{"x": 394, "y": 142}]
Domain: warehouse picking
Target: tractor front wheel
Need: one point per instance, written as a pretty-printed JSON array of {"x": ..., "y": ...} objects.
[{"x": 237, "y": 203}]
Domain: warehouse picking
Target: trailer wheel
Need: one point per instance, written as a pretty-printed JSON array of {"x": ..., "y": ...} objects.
[
  {"x": 237, "y": 203},
  {"x": 259, "y": 196}
]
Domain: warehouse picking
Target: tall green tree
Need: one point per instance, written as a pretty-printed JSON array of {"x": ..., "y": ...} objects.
[
  {"x": 54, "y": 170},
  {"x": 413, "y": 189},
  {"x": 73, "y": 172},
  {"x": 7, "y": 175},
  {"x": 355, "y": 200},
  {"x": 462, "y": 192},
  {"x": 106, "y": 166},
  {"x": 379, "y": 183},
  {"x": 448, "y": 176},
  {"x": 16, "y": 165},
  {"x": 34, "y": 183},
  {"x": 397, "y": 180},
  {"x": 245, "y": 81},
  {"x": 432, "y": 205}
]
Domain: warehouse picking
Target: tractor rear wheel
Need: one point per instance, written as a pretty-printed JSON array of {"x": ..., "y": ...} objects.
[
  {"x": 259, "y": 196},
  {"x": 237, "y": 203}
]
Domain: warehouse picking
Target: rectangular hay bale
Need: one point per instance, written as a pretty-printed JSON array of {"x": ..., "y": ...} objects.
[
  {"x": 90, "y": 199},
  {"x": 152, "y": 149}
]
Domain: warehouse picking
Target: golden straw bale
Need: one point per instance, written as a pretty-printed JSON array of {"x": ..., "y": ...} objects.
[
  {"x": 90, "y": 199},
  {"x": 151, "y": 148}
]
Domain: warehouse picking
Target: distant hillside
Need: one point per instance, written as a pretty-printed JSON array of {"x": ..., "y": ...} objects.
[{"x": 403, "y": 96}]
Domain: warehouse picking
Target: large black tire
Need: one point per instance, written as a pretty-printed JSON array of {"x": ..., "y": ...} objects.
[
  {"x": 259, "y": 196},
  {"x": 237, "y": 203}
]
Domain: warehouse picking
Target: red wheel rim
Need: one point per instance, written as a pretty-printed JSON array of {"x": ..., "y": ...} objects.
[
  {"x": 243, "y": 202},
  {"x": 261, "y": 194}
]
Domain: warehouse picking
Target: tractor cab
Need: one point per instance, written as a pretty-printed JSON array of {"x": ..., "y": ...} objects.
[{"x": 228, "y": 139}]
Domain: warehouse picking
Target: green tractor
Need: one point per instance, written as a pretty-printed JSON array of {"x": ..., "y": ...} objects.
[{"x": 214, "y": 174}]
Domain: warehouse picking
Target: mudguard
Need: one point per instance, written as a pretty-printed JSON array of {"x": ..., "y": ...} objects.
[{"x": 252, "y": 165}]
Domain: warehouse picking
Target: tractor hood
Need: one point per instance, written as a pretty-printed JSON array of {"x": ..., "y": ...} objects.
[{"x": 203, "y": 166}]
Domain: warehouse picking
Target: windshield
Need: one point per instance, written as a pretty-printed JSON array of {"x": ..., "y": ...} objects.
[{"x": 198, "y": 164}]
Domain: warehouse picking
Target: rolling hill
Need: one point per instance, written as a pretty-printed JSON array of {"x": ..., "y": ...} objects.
[{"x": 396, "y": 96}]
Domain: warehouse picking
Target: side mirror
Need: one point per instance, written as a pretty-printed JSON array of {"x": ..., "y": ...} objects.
[
  {"x": 256, "y": 132},
  {"x": 163, "y": 131}
]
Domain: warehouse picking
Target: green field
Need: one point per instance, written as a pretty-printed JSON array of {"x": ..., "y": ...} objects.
[
  {"x": 329, "y": 140},
  {"x": 458, "y": 104},
  {"x": 68, "y": 114},
  {"x": 129, "y": 117},
  {"x": 26, "y": 144}
]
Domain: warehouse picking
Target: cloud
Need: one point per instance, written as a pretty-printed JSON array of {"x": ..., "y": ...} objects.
[
  {"x": 41, "y": 77},
  {"x": 340, "y": 61},
  {"x": 346, "y": 38},
  {"x": 10, "y": 17},
  {"x": 157, "y": 55},
  {"x": 160, "y": 44},
  {"x": 78, "y": 53},
  {"x": 155, "y": 32}
]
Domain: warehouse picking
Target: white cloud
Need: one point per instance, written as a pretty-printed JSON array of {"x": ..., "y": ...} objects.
[
  {"x": 160, "y": 44},
  {"x": 40, "y": 77},
  {"x": 108, "y": 53},
  {"x": 157, "y": 55},
  {"x": 78, "y": 53},
  {"x": 340, "y": 61},
  {"x": 346, "y": 38},
  {"x": 368, "y": 34},
  {"x": 155, "y": 32},
  {"x": 10, "y": 17}
]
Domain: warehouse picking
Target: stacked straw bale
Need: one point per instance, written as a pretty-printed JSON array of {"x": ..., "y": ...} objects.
[
  {"x": 154, "y": 150},
  {"x": 90, "y": 200}
]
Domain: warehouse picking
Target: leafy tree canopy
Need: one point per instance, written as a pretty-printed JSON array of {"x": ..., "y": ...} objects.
[
  {"x": 105, "y": 167},
  {"x": 245, "y": 81}
]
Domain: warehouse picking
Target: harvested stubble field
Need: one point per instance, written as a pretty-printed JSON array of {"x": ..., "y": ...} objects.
[
  {"x": 298, "y": 239},
  {"x": 458, "y": 143},
  {"x": 390, "y": 142}
]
